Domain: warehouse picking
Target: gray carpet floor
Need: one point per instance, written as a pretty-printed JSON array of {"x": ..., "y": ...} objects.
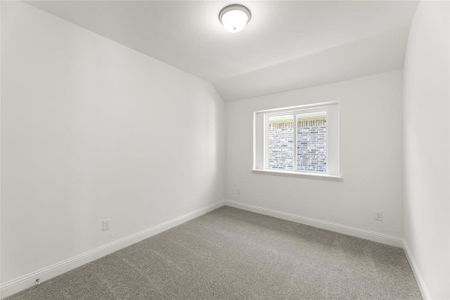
[{"x": 234, "y": 254}]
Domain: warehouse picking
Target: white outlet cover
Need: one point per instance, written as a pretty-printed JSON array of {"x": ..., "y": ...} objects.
[
  {"x": 379, "y": 216},
  {"x": 105, "y": 225}
]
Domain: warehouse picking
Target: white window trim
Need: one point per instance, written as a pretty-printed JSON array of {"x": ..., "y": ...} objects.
[
  {"x": 297, "y": 173},
  {"x": 298, "y": 109}
]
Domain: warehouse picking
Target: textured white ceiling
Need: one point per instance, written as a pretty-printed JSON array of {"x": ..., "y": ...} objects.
[{"x": 287, "y": 44}]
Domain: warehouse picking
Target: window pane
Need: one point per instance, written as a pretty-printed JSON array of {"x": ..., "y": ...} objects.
[
  {"x": 280, "y": 148},
  {"x": 312, "y": 142}
]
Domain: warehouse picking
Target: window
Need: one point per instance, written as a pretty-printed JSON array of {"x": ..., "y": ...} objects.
[{"x": 298, "y": 140}]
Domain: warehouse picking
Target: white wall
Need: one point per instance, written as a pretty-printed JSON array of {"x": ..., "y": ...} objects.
[
  {"x": 371, "y": 156},
  {"x": 427, "y": 147},
  {"x": 93, "y": 130}
]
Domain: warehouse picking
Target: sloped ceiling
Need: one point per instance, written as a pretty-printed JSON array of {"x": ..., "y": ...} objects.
[{"x": 287, "y": 44}]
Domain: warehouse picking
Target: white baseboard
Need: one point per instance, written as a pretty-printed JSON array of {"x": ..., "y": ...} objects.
[
  {"x": 344, "y": 229},
  {"x": 422, "y": 286},
  {"x": 28, "y": 280}
]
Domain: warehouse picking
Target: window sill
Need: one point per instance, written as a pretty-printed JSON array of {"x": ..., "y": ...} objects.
[{"x": 297, "y": 174}]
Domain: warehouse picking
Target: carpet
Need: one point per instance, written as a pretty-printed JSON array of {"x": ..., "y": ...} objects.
[{"x": 235, "y": 254}]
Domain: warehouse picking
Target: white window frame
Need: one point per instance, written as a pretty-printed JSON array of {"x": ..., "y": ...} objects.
[{"x": 260, "y": 119}]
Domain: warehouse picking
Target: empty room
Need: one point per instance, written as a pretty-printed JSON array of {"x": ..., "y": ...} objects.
[{"x": 225, "y": 150}]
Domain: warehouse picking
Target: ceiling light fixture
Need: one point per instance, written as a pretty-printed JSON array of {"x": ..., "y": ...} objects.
[{"x": 234, "y": 17}]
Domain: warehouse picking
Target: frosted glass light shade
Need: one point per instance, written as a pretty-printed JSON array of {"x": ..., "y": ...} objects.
[{"x": 234, "y": 17}]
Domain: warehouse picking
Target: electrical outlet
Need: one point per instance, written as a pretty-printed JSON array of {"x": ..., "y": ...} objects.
[
  {"x": 105, "y": 225},
  {"x": 379, "y": 216}
]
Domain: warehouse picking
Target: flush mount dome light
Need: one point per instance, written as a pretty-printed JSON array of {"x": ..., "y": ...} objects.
[{"x": 234, "y": 17}]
